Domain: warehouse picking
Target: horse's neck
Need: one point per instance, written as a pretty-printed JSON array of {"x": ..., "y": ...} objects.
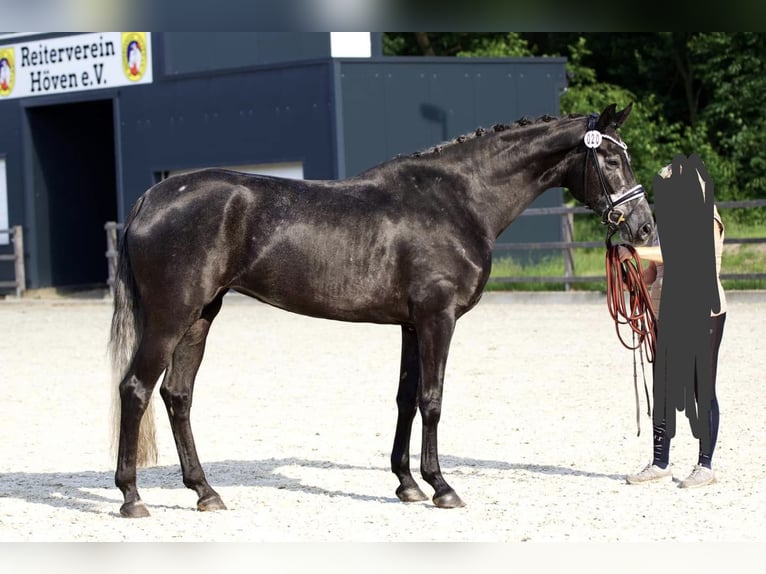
[{"x": 521, "y": 164}]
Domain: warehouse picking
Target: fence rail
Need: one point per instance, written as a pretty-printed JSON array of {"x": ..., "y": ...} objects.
[
  {"x": 567, "y": 246},
  {"x": 19, "y": 272}
]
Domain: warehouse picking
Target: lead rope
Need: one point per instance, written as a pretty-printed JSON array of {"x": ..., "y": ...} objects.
[{"x": 627, "y": 277}]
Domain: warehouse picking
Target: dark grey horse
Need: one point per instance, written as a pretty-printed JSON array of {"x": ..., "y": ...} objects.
[{"x": 408, "y": 242}]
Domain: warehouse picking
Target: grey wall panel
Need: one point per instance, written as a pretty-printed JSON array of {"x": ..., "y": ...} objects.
[
  {"x": 193, "y": 52},
  {"x": 401, "y": 105}
]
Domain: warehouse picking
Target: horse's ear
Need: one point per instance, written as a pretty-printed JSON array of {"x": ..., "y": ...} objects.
[
  {"x": 610, "y": 117},
  {"x": 622, "y": 116},
  {"x": 606, "y": 117}
]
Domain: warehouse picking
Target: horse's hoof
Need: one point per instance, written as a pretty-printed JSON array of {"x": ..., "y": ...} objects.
[
  {"x": 134, "y": 510},
  {"x": 210, "y": 503},
  {"x": 449, "y": 499},
  {"x": 410, "y": 494}
]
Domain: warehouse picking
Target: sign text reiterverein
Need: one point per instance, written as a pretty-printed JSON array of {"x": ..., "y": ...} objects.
[{"x": 75, "y": 63}]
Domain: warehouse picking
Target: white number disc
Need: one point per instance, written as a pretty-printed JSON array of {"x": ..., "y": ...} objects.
[{"x": 592, "y": 139}]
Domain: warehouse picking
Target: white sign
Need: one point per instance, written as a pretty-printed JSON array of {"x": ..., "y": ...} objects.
[
  {"x": 350, "y": 45},
  {"x": 75, "y": 63}
]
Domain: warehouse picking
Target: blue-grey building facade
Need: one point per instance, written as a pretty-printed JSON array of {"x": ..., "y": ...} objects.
[{"x": 271, "y": 102}]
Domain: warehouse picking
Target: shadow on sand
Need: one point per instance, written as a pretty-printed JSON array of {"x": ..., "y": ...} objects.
[{"x": 72, "y": 490}]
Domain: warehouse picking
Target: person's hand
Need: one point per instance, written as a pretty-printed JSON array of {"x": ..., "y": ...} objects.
[
  {"x": 650, "y": 273},
  {"x": 623, "y": 253}
]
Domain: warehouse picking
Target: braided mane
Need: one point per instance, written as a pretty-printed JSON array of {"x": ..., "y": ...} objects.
[{"x": 497, "y": 128}]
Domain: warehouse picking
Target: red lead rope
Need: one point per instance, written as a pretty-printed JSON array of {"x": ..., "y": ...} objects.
[{"x": 626, "y": 278}]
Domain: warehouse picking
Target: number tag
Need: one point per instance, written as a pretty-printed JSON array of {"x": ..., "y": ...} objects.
[{"x": 592, "y": 139}]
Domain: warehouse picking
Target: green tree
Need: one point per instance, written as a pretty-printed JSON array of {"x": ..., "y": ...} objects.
[
  {"x": 462, "y": 44},
  {"x": 732, "y": 69}
]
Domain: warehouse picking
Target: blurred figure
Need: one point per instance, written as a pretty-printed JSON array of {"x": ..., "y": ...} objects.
[{"x": 684, "y": 274}]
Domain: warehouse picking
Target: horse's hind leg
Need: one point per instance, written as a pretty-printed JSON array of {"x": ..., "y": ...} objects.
[
  {"x": 136, "y": 388},
  {"x": 176, "y": 390},
  {"x": 406, "y": 402}
]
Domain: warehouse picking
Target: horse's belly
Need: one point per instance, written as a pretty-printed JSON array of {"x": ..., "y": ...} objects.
[
  {"x": 329, "y": 301},
  {"x": 355, "y": 273},
  {"x": 331, "y": 289}
]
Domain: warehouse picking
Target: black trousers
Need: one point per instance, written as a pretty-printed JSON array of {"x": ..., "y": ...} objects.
[{"x": 662, "y": 441}]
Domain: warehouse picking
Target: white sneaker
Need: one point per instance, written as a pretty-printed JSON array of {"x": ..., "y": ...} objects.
[
  {"x": 700, "y": 476},
  {"x": 650, "y": 473}
]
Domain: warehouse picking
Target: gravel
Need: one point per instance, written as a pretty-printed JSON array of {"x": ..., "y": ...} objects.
[{"x": 294, "y": 420}]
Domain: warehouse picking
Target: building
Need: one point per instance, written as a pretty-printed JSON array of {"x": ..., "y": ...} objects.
[{"x": 89, "y": 121}]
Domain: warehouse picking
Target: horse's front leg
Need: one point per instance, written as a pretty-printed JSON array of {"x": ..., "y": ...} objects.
[
  {"x": 406, "y": 402},
  {"x": 434, "y": 336}
]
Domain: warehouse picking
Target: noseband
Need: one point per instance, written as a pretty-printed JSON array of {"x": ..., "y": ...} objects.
[{"x": 612, "y": 216}]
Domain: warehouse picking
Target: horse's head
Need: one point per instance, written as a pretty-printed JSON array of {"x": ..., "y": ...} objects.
[{"x": 603, "y": 179}]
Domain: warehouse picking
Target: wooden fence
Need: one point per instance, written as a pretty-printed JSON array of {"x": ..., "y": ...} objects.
[
  {"x": 567, "y": 246},
  {"x": 113, "y": 231},
  {"x": 17, "y": 257}
]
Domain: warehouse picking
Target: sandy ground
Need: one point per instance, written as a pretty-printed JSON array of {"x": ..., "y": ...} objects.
[{"x": 294, "y": 420}]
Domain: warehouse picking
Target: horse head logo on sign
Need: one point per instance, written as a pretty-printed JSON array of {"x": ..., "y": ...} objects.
[
  {"x": 7, "y": 72},
  {"x": 134, "y": 55}
]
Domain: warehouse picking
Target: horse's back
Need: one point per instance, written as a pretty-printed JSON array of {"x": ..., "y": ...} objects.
[{"x": 349, "y": 250}]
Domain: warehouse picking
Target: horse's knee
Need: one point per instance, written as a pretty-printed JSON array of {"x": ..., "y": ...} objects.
[{"x": 431, "y": 411}]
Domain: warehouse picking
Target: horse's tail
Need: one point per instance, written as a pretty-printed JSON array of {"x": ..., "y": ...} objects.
[{"x": 127, "y": 326}]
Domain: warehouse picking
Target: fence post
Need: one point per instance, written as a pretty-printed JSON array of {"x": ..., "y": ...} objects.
[
  {"x": 18, "y": 261},
  {"x": 111, "y": 253},
  {"x": 567, "y": 235}
]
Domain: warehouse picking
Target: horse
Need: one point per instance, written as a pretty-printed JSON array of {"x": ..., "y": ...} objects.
[{"x": 407, "y": 242}]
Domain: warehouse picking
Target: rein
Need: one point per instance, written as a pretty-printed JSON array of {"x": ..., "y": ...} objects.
[{"x": 627, "y": 277}]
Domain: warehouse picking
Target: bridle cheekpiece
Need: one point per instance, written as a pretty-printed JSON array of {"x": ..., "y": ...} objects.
[{"x": 612, "y": 216}]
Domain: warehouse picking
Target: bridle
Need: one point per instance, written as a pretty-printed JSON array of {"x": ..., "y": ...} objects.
[{"x": 611, "y": 216}]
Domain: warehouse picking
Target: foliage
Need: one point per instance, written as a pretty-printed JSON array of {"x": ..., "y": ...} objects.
[
  {"x": 461, "y": 44},
  {"x": 732, "y": 67},
  {"x": 508, "y": 45}
]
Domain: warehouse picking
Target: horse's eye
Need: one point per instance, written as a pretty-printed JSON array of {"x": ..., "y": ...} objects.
[{"x": 611, "y": 162}]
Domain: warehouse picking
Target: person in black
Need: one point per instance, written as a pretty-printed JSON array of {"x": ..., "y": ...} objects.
[{"x": 684, "y": 274}]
